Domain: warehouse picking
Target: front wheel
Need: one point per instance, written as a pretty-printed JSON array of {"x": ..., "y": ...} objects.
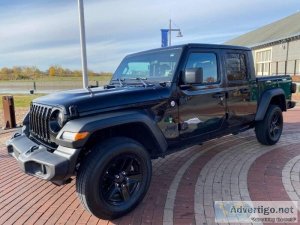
[
  {"x": 268, "y": 131},
  {"x": 114, "y": 178}
]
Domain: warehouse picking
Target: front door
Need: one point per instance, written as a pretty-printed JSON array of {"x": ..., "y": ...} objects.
[{"x": 202, "y": 107}]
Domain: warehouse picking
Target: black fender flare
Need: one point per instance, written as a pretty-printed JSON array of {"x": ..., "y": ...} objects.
[
  {"x": 293, "y": 88},
  {"x": 265, "y": 101},
  {"x": 95, "y": 123}
]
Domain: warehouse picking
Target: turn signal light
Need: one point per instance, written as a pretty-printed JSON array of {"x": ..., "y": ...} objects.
[{"x": 74, "y": 136}]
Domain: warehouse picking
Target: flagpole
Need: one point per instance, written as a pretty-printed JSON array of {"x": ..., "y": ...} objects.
[{"x": 83, "y": 44}]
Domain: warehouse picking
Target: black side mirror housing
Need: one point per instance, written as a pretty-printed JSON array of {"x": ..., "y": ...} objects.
[{"x": 193, "y": 76}]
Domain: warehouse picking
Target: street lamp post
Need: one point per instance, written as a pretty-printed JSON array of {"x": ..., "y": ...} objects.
[
  {"x": 170, "y": 32},
  {"x": 83, "y": 44}
]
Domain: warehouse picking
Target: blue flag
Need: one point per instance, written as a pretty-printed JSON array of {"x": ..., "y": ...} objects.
[{"x": 164, "y": 38}]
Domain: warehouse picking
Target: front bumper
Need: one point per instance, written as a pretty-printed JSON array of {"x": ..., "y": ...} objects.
[{"x": 36, "y": 160}]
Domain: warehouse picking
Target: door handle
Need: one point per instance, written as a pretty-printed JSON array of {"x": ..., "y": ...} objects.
[{"x": 219, "y": 95}]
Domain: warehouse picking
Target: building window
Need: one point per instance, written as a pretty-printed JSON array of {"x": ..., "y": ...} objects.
[{"x": 263, "y": 62}]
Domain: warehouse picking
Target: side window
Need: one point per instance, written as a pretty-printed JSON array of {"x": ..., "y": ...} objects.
[
  {"x": 206, "y": 61},
  {"x": 236, "y": 67}
]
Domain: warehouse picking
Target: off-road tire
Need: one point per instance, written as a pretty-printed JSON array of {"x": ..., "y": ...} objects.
[
  {"x": 91, "y": 177},
  {"x": 268, "y": 131}
]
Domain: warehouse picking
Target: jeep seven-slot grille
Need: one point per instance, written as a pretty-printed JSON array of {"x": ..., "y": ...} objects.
[{"x": 39, "y": 116}]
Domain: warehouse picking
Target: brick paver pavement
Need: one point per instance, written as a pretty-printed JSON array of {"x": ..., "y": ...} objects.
[{"x": 183, "y": 188}]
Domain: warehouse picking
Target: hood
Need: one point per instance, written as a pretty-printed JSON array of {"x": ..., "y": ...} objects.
[{"x": 100, "y": 99}]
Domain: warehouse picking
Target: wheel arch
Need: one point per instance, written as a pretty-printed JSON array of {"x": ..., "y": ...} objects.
[
  {"x": 270, "y": 97},
  {"x": 134, "y": 124},
  {"x": 137, "y": 131}
]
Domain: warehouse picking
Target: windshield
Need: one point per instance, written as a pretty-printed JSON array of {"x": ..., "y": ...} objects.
[{"x": 153, "y": 66}]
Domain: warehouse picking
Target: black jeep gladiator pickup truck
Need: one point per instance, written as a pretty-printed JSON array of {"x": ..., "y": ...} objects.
[{"x": 158, "y": 102}]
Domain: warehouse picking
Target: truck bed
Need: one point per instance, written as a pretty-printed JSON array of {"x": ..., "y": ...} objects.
[{"x": 269, "y": 82}]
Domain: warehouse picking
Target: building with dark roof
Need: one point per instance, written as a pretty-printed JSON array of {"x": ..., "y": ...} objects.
[{"x": 276, "y": 46}]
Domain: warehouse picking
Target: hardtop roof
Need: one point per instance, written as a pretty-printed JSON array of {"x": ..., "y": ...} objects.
[{"x": 195, "y": 45}]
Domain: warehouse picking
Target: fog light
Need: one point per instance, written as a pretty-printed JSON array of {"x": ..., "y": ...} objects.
[{"x": 10, "y": 149}]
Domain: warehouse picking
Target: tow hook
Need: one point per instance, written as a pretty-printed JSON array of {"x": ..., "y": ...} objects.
[
  {"x": 32, "y": 149},
  {"x": 16, "y": 135}
]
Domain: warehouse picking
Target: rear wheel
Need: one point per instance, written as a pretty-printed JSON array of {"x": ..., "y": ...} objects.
[
  {"x": 268, "y": 131},
  {"x": 114, "y": 178}
]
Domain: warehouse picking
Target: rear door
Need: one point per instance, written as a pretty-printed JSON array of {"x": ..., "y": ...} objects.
[{"x": 240, "y": 105}]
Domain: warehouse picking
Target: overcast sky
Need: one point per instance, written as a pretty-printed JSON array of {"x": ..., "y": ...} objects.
[{"x": 45, "y": 32}]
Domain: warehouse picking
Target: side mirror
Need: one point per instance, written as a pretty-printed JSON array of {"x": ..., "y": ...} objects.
[{"x": 193, "y": 76}]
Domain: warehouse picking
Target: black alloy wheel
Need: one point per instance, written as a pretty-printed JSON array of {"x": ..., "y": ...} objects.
[
  {"x": 121, "y": 179},
  {"x": 275, "y": 125},
  {"x": 269, "y": 130},
  {"x": 114, "y": 177}
]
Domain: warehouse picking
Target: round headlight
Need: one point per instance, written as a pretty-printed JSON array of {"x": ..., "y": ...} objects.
[
  {"x": 56, "y": 121},
  {"x": 60, "y": 119}
]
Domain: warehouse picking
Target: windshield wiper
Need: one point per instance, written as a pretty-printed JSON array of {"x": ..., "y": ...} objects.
[
  {"x": 121, "y": 81},
  {"x": 142, "y": 80}
]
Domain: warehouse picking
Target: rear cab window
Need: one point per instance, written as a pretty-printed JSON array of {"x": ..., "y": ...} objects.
[{"x": 236, "y": 67}]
